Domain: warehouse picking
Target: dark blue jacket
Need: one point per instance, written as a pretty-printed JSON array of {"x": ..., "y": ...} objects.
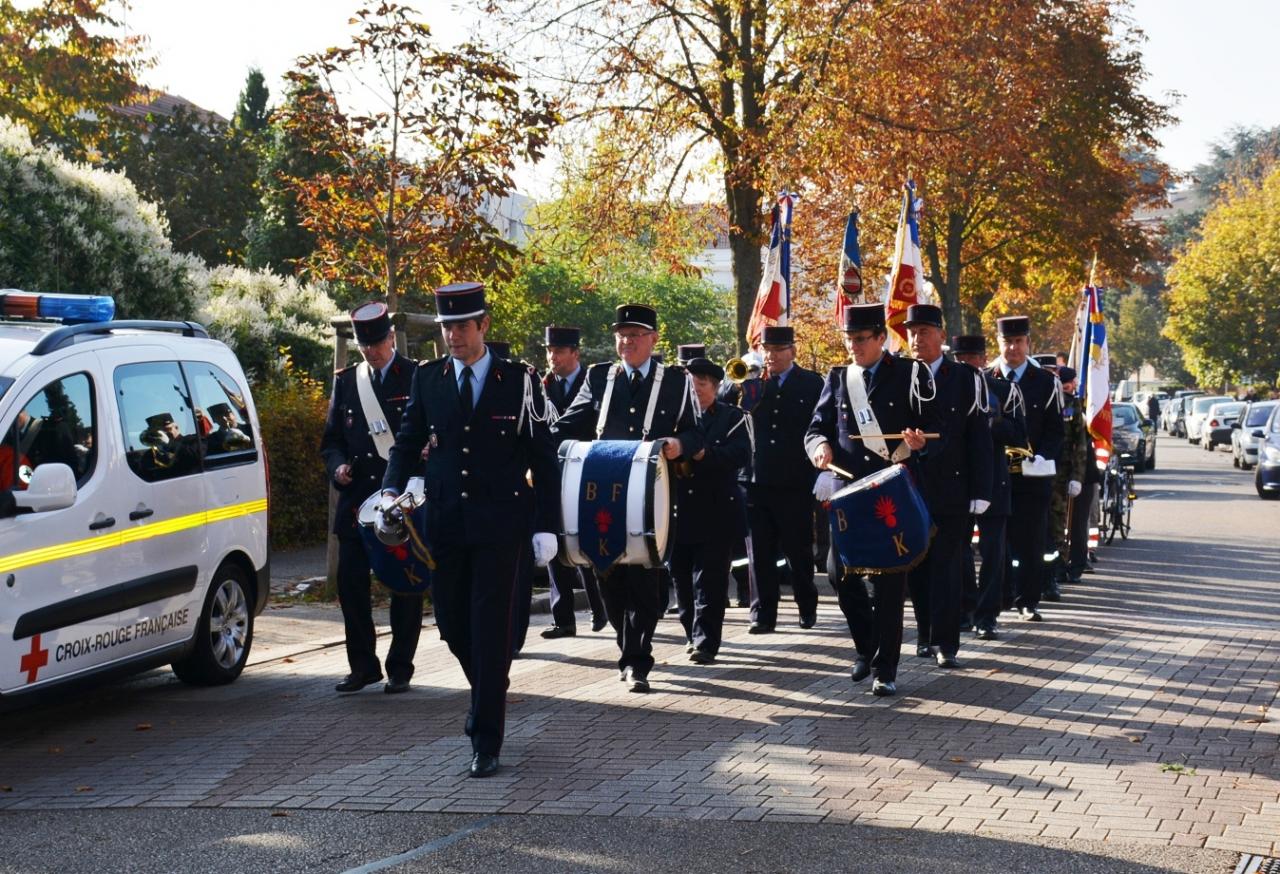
[
  {"x": 890, "y": 398},
  {"x": 476, "y": 485},
  {"x": 709, "y": 500},
  {"x": 957, "y": 468},
  {"x": 781, "y": 419},
  {"x": 1008, "y": 428},
  {"x": 673, "y": 416},
  {"x": 346, "y": 437},
  {"x": 561, "y": 397},
  {"x": 1040, "y": 395}
]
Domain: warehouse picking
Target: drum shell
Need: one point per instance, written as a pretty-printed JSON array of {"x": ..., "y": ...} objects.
[
  {"x": 880, "y": 524},
  {"x": 650, "y": 506}
]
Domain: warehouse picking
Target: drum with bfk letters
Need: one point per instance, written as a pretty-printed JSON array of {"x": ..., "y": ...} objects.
[
  {"x": 616, "y": 503},
  {"x": 879, "y": 524}
]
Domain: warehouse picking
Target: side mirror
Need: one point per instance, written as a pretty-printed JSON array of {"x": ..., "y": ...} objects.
[
  {"x": 1236, "y": 424},
  {"x": 52, "y": 487},
  {"x": 1258, "y": 433}
]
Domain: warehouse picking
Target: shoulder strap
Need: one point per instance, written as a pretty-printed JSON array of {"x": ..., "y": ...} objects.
[
  {"x": 383, "y": 439},
  {"x": 603, "y": 418},
  {"x": 653, "y": 400}
]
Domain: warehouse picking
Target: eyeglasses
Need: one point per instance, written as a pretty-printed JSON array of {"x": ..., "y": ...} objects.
[
  {"x": 862, "y": 338},
  {"x": 632, "y": 338}
]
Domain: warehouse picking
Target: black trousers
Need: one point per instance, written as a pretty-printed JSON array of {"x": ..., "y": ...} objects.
[
  {"x": 357, "y": 617},
  {"x": 872, "y": 606},
  {"x": 937, "y": 585},
  {"x": 524, "y": 601},
  {"x": 474, "y": 590},
  {"x": 564, "y": 580},
  {"x": 781, "y": 520},
  {"x": 1079, "y": 522},
  {"x": 1028, "y": 535},
  {"x": 701, "y": 574},
  {"x": 991, "y": 578},
  {"x": 631, "y": 600}
]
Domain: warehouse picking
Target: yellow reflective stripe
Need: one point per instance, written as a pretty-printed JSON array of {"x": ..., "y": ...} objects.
[{"x": 73, "y": 548}]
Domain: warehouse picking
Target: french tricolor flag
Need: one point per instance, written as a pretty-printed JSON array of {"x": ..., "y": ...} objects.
[{"x": 773, "y": 300}]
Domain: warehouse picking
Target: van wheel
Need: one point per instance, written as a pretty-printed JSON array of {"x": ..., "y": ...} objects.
[{"x": 224, "y": 635}]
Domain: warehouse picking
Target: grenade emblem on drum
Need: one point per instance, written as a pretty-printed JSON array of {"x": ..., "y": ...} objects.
[
  {"x": 887, "y": 511},
  {"x": 603, "y": 520}
]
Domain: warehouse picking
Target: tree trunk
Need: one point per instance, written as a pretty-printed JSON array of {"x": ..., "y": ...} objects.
[{"x": 745, "y": 238}]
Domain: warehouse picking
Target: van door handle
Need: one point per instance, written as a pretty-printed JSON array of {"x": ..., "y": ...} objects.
[
  {"x": 102, "y": 522},
  {"x": 135, "y": 515}
]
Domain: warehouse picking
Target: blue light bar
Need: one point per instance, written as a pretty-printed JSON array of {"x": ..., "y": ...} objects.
[{"x": 67, "y": 308}]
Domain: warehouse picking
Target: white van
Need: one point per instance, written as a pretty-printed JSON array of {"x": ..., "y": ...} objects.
[{"x": 133, "y": 497}]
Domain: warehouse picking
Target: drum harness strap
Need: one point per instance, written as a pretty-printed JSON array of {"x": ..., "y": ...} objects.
[
  {"x": 607, "y": 400},
  {"x": 864, "y": 417},
  {"x": 379, "y": 430}
]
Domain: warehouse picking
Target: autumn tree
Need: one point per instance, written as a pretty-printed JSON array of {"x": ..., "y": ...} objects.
[
  {"x": 1134, "y": 322},
  {"x": 63, "y": 65},
  {"x": 423, "y": 141},
  {"x": 1224, "y": 288}
]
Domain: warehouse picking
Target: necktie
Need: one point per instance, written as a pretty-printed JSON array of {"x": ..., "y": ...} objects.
[
  {"x": 377, "y": 378},
  {"x": 636, "y": 381},
  {"x": 866, "y": 379},
  {"x": 465, "y": 399},
  {"x": 1011, "y": 375}
]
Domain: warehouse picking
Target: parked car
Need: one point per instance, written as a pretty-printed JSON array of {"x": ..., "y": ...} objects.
[
  {"x": 1175, "y": 412},
  {"x": 1266, "y": 476},
  {"x": 1216, "y": 430},
  {"x": 133, "y": 497},
  {"x": 1133, "y": 437},
  {"x": 1244, "y": 446},
  {"x": 1197, "y": 412}
]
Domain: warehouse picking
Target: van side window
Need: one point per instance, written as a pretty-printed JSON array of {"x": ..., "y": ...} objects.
[
  {"x": 160, "y": 437},
  {"x": 56, "y": 425},
  {"x": 221, "y": 414}
]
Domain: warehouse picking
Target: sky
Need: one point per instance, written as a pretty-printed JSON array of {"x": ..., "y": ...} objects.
[{"x": 1219, "y": 57}]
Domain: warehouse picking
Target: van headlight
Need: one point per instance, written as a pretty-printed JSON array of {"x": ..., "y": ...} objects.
[{"x": 1273, "y": 454}]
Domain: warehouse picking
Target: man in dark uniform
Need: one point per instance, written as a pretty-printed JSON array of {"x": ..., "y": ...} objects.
[
  {"x": 618, "y": 402},
  {"x": 1008, "y": 428},
  {"x": 898, "y": 392},
  {"x": 708, "y": 523},
  {"x": 565, "y": 375},
  {"x": 957, "y": 486},
  {"x": 780, "y": 489},
  {"x": 355, "y": 456},
  {"x": 1041, "y": 398},
  {"x": 483, "y": 425}
]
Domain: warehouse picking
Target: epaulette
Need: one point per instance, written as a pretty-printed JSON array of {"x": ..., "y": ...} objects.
[
  {"x": 345, "y": 369},
  {"x": 441, "y": 360}
]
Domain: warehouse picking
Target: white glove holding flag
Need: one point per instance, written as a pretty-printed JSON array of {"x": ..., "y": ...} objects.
[
  {"x": 824, "y": 486},
  {"x": 978, "y": 506},
  {"x": 1074, "y": 488},
  {"x": 544, "y": 548}
]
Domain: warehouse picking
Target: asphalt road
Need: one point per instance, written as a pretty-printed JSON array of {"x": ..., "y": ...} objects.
[{"x": 1196, "y": 520}]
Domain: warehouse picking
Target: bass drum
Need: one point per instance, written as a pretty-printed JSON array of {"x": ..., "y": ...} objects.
[{"x": 650, "y": 508}]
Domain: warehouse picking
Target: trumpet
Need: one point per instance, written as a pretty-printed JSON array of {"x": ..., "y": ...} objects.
[
  {"x": 1014, "y": 456},
  {"x": 735, "y": 370}
]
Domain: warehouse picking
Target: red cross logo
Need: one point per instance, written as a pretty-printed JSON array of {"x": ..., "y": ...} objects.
[{"x": 33, "y": 661}]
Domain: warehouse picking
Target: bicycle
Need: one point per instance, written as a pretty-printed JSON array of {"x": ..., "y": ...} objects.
[{"x": 1117, "y": 503}]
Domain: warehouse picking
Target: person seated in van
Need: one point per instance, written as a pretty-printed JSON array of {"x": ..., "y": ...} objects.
[
  {"x": 84, "y": 452},
  {"x": 227, "y": 436},
  {"x": 169, "y": 451}
]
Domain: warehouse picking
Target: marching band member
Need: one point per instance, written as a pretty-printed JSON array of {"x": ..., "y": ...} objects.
[
  {"x": 355, "y": 455},
  {"x": 878, "y": 394},
  {"x": 780, "y": 488},
  {"x": 565, "y": 376},
  {"x": 1029, "y": 520},
  {"x": 709, "y": 520},
  {"x": 957, "y": 486},
  {"x": 635, "y": 399},
  {"x": 483, "y": 423}
]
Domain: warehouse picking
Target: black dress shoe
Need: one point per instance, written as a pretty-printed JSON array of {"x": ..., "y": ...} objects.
[
  {"x": 808, "y": 620},
  {"x": 702, "y": 658},
  {"x": 1053, "y": 593},
  {"x": 944, "y": 660},
  {"x": 639, "y": 684},
  {"x": 742, "y": 604},
  {"x": 884, "y": 688},
  {"x": 551, "y": 632},
  {"x": 924, "y": 652},
  {"x": 599, "y": 623},
  {"x": 1030, "y": 615},
  {"x": 356, "y": 682},
  {"x": 987, "y": 633},
  {"x": 757, "y": 628},
  {"x": 861, "y": 670},
  {"x": 484, "y": 765},
  {"x": 396, "y": 686}
]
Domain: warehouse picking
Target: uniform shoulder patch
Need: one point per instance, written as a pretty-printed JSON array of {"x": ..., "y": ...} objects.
[{"x": 434, "y": 361}]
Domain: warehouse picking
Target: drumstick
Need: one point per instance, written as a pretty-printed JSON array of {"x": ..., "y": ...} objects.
[
  {"x": 840, "y": 472},
  {"x": 929, "y": 436}
]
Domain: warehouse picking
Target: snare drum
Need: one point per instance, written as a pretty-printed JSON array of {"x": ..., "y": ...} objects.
[
  {"x": 616, "y": 503},
  {"x": 879, "y": 524}
]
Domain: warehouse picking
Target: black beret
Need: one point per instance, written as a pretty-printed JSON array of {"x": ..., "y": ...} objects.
[
  {"x": 1066, "y": 374},
  {"x": 705, "y": 367}
]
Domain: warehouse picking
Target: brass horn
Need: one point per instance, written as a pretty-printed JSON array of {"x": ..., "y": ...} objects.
[
  {"x": 1014, "y": 456},
  {"x": 735, "y": 369}
]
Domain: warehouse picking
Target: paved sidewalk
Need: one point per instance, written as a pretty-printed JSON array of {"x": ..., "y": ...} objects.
[{"x": 1141, "y": 711}]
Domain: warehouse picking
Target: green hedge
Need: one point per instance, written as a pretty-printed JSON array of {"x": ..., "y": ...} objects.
[{"x": 291, "y": 410}]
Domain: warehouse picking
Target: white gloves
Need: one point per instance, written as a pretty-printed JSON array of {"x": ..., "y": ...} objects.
[
  {"x": 824, "y": 486},
  {"x": 387, "y": 531},
  {"x": 1074, "y": 488},
  {"x": 978, "y": 506},
  {"x": 1039, "y": 466},
  {"x": 544, "y": 548},
  {"x": 388, "y": 498}
]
